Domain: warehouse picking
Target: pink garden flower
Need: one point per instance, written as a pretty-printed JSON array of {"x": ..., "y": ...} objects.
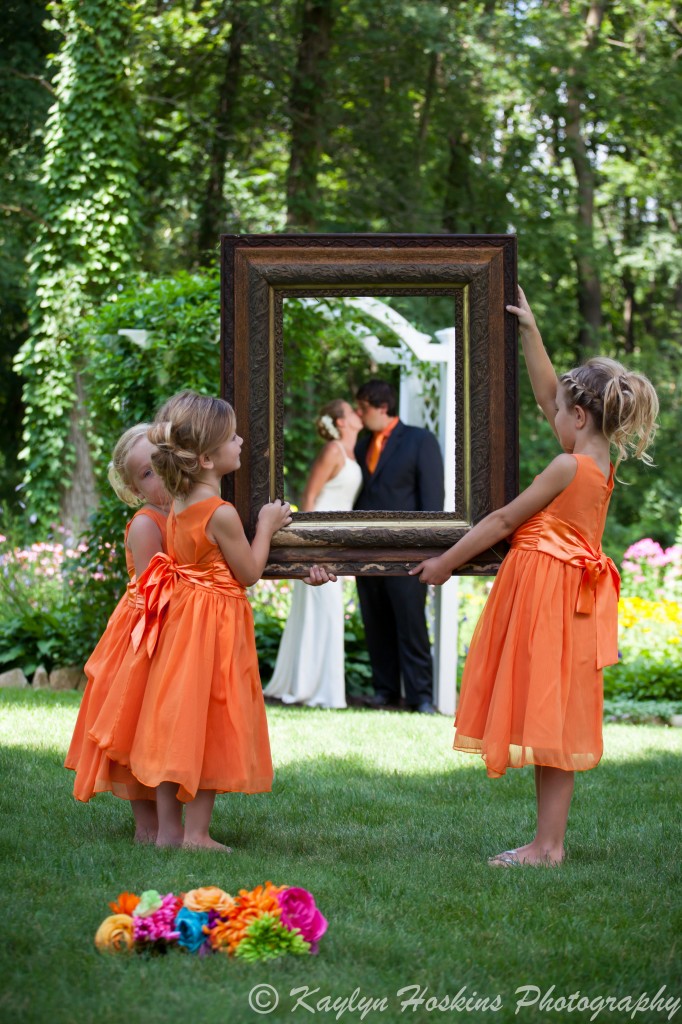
[
  {"x": 644, "y": 549},
  {"x": 299, "y": 911},
  {"x": 158, "y": 925}
]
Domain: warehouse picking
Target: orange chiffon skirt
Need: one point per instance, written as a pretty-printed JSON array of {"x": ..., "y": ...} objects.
[
  {"x": 107, "y": 666},
  {"x": 202, "y": 722},
  {"x": 531, "y": 692}
]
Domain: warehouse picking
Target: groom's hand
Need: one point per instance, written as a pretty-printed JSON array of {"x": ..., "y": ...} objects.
[{"x": 318, "y": 575}]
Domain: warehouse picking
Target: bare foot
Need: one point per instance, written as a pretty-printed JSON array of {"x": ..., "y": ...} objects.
[
  {"x": 169, "y": 840},
  {"x": 144, "y": 836},
  {"x": 205, "y": 843},
  {"x": 529, "y": 855}
]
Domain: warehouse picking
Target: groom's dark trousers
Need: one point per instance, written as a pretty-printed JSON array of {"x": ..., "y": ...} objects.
[{"x": 408, "y": 478}]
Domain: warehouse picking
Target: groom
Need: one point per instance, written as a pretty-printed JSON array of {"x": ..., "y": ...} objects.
[{"x": 402, "y": 471}]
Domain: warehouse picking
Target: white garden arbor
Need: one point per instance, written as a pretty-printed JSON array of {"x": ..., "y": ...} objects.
[{"x": 424, "y": 402}]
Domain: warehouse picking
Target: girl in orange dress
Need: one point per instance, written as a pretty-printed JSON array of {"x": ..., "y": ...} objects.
[
  {"x": 201, "y": 729},
  {"x": 532, "y": 685},
  {"x": 134, "y": 481}
]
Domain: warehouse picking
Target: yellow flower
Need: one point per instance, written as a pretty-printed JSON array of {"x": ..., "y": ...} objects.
[{"x": 115, "y": 934}]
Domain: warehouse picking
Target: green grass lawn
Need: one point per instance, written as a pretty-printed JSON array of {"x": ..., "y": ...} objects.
[{"x": 390, "y": 830}]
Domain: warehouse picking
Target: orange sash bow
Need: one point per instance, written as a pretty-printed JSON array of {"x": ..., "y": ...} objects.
[
  {"x": 157, "y": 583},
  {"x": 600, "y": 582}
]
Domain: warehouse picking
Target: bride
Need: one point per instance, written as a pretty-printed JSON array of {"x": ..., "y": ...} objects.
[{"x": 310, "y": 661}]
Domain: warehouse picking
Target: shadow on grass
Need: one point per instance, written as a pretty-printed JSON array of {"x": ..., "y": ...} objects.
[
  {"x": 340, "y": 811},
  {"x": 397, "y": 862}
]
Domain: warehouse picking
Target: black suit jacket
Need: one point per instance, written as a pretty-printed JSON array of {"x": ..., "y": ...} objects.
[{"x": 408, "y": 476}]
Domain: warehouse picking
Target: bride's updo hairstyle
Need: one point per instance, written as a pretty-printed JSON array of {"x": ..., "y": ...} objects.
[
  {"x": 623, "y": 404},
  {"x": 117, "y": 472},
  {"x": 188, "y": 426},
  {"x": 326, "y": 421}
]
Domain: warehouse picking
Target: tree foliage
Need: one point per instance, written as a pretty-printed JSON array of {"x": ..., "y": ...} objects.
[{"x": 556, "y": 119}]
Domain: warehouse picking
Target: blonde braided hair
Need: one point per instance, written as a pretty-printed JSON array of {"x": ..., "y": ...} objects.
[{"x": 623, "y": 404}]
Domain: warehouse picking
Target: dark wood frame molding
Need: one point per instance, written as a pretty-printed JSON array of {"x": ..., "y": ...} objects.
[{"x": 259, "y": 272}]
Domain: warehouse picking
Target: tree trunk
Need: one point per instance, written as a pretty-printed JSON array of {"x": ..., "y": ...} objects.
[
  {"x": 305, "y": 107},
  {"x": 458, "y": 198},
  {"x": 589, "y": 283},
  {"x": 429, "y": 92},
  {"x": 212, "y": 219},
  {"x": 80, "y": 498}
]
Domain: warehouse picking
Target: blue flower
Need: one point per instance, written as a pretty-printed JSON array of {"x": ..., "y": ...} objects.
[{"x": 190, "y": 924}]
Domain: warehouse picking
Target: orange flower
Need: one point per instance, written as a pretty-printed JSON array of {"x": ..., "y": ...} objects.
[
  {"x": 210, "y": 897},
  {"x": 125, "y": 903},
  {"x": 226, "y": 935}
]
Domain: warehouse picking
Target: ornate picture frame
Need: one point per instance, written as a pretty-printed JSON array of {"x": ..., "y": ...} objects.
[{"x": 258, "y": 272}]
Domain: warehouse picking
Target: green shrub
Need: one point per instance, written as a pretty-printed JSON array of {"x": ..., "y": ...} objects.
[
  {"x": 645, "y": 677},
  {"x": 639, "y": 711}
]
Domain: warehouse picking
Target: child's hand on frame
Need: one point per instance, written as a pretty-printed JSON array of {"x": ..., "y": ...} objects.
[
  {"x": 523, "y": 311},
  {"x": 318, "y": 576},
  {"x": 431, "y": 571},
  {"x": 275, "y": 515}
]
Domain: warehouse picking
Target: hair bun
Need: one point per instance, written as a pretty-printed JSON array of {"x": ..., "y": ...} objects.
[
  {"x": 187, "y": 426},
  {"x": 160, "y": 434},
  {"x": 326, "y": 428}
]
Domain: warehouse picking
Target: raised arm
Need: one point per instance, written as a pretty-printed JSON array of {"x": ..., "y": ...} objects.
[
  {"x": 326, "y": 466},
  {"x": 543, "y": 379},
  {"x": 247, "y": 561}
]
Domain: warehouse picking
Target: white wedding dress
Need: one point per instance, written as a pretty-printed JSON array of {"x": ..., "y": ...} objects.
[{"x": 310, "y": 660}]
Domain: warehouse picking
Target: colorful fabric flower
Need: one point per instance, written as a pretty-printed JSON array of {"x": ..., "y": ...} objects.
[
  {"x": 267, "y": 938},
  {"x": 190, "y": 928},
  {"x": 157, "y": 926},
  {"x": 299, "y": 912},
  {"x": 228, "y": 931},
  {"x": 210, "y": 897},
  {"x": 258, "y": 924},
  {"x": 115, "y": 934},
  {"x": 126, "y": 902},
  {"x": 149, "y": 902}
]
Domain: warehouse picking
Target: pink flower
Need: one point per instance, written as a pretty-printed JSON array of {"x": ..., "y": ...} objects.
[
  {"x": 646, "y": 548},
  {"x": 159, "y": 925},
  {"x": 299, "y": 912}
]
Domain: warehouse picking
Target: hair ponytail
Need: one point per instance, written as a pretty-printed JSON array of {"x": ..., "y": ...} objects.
[{"x": 630, "y": 411}]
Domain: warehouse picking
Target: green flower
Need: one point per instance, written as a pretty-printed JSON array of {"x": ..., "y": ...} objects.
[
  {"x": 266, "y": 939},
  {"x": 149, "y": 902}
]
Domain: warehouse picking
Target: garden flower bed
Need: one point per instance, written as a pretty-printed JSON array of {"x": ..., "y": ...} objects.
[{"x": 58, "y": 595}]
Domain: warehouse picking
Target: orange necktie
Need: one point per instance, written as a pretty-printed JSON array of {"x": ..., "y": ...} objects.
[{"x": 376, "y": 445}]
